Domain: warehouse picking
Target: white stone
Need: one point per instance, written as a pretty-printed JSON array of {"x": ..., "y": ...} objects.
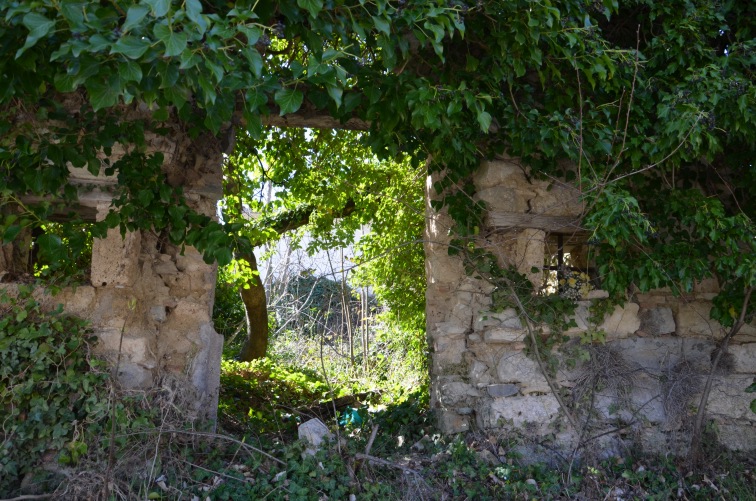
[
  {"x": 745, "y": 357},
  {"x": 581, "y": 315},
  {"x": 541, "y": 409},
  {"x": 738, "y": 437},
  {"x": 314, "y": 432},
  {"x": 115, "y": 260},
  {"x": 450, "y": 328},
  {"x": 515, "y": 367},
  {"x": 728, "y": 398},
  {"x": 477, "y": 369},
  {"x": 456, "y": 392},
  {"x": 503, "y": 335},
  {"x": 622, "y": 322}
]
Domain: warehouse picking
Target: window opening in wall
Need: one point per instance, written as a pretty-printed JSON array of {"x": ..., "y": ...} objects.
[
  {"x": 57, "y": 251},
  {"x": 62, "y": 252},
  {"x": 567, "y": 266}
]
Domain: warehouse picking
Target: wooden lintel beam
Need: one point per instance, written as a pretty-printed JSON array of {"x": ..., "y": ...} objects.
[
  {"x": 504, "y": 220},
  {"x": 314, "y": 121}
]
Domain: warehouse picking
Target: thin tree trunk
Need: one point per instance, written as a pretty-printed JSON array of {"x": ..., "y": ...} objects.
[{"x": 256, "y": 309}]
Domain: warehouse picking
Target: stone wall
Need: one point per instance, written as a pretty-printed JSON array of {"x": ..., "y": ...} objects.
[
  {"x": 149, "y": 300},
  {"x": 645, "y": 380}
]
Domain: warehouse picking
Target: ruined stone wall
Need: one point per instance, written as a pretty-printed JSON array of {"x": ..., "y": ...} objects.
[
  {"x": 646, "y": 378},
  {"x": 149, "y": 300}
]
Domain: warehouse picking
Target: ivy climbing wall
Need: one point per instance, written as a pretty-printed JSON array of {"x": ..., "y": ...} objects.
[
  {"x": 150, "y": 302},
  {"x": 628, "y": 375}
]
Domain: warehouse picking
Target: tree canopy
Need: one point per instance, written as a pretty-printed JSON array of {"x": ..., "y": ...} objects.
[{"x": 642, "y": 97}]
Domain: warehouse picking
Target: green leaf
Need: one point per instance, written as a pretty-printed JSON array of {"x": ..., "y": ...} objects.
[
  {"x": 175, "y": 43},
  {"x": 104, "y": 94},
  {"x": 288, "y": 100},
  {"x": 484, "y": 119},
  {"x": 10, "y": 233},
  {"x": 134, "y": 16},
  {"x": 73, "y": 12},
  {"x": 753, "y": 406},
  {"x": 223, "y": 255},
  {"x": 130, "y": 46},
  {"x": 39, "y": 26},
  {"x": 335, "y": 93},
  {"x": 130, "y": 71},
  {"x": 255, "y": 60},
  {"x": 159, "y": 7},
  {"x": 312, "y": 6},
  {"x": 382, "y": 25},
  {"x": 98, "y": 43},
  {"x": 194, "y": 13}
]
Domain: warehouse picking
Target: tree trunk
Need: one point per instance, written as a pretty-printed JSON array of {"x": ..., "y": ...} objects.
[
  {"x": 256, "y": 309},
  {"x": 253, "y": 297}
]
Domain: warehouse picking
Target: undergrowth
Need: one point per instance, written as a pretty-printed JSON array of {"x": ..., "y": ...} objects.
[{"x": 382, "y": 447}]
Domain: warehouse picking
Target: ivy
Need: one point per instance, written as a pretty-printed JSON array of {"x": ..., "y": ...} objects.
[{"x": 50, "y": 387}]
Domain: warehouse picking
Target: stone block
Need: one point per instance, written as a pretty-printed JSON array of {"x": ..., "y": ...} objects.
[
  {"x": 190, "y": 261},
  {"x": 133, "y": 376},
  {"x": 659, "y": 354},
  {"x": 163, "y": 267},
  {"x": 707, "y": 285},
  {"x": 541, "y": 409},
  {"x": 450, "y": 329},
  {"x": 506, "y": 199},
  {"x": 157, "y": 314},
  {"x": 693, "y": 319},
  {"x": 115, "y": 260},
  {"x": 657, "y": 321},
  {"x": 461, "y": 313},
  {"x": 448, "y": 351},
  {"x": 79, "y": 301},
  {"x": 456, "y": 392},
  {"x": 556, "y": 199},
  {"x": 477, "y": 370},
  {"x": 507, "y": 319},
  {"x": 315, "y": 433},
  {"x": 188, "y": 315},
  {"x": 581, "y": 315},
  {"x": 650, "y": 300},
  {"x": 728, "y": 399},
  {"x": 597, "y": 294},
  {"x": 744, "y": 356},
  {"x": 498, "y": 173},
  {"x": 204, "y": 370},
  {"x": 738, "y": 437},
  {"x": 503, "y": 390},
  {"x": 503, "y": 335},
  {"x": 450, "y": 422},
  {"x": 622, "y": 322},
  {"x": 515, "y": 367}
]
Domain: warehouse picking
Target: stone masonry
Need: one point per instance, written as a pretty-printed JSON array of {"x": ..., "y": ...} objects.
[
  {"x": 150, "y": 300},
  {"x": 658, "y": 347}
]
